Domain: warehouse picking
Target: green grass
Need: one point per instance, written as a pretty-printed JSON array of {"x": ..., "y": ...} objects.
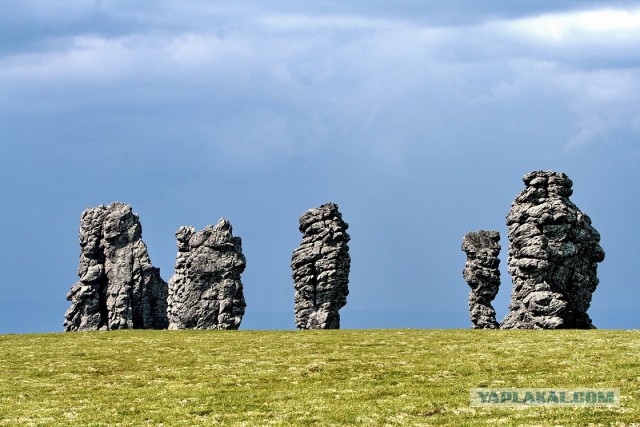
[{"x": 348, "y": 377}]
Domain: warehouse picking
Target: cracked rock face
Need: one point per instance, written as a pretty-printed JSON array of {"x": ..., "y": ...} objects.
[
  {"x": 118, "y": 288},
  {"x": 553, "y": 256},
  {"x": 482, "y": 274},
  {"x": 321, "y": 268},
  {"x": 205, "y": 291}
]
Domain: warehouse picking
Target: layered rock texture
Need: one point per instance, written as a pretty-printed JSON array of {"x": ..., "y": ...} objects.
[
  {"x": 118, "y": 288},
  {"x": 205, "y": 291},
  {"x": 321, "y": 268},
  {"x": 553, "y": 255},
  {"x": 482, "y": 274}
]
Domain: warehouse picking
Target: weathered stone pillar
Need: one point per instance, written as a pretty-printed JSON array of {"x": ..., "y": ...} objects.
[
  {"x": 321, "y": 268},
  {"x": 482, "y": 274},
  {"x": 119, "y": 288},
  {"x": 205, "y": 291},
  {"x": 553, "y": 256}
]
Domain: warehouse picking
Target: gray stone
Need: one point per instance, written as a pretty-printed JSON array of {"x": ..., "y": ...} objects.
[
  {"x": 482, "y": 274},
  {"x": 553, "y": 256},
  {"x": 205, "y": 291},
  {"x": 321, "y": 267},
  {"x": 118, "y": 288}
]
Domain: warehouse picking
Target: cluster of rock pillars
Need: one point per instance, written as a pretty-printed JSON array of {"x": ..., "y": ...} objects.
[
  {"x": 553, "y": 256},
  {"x": 554, "y": 253},
  {"x": 120, "y": 289}
]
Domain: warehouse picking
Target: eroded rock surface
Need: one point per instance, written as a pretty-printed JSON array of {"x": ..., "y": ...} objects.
[
  {"x": 321, "y": 268},
  {"x": 205, "y": 291},
  {"x": 118, "y": 288},
  {"x": 553, "y": 255},
  {"x": 482, "y": 274}
]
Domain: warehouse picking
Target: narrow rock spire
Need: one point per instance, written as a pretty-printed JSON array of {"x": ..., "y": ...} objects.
[
  {"x": 321, "y": 268},
  {"x": 482, "y": 274}
]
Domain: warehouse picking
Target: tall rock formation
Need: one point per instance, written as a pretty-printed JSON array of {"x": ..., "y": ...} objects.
[
  {"x": 482, "y": 274},
  {"x": 118, "y": 288},
  {"x": 321, "y": 268},
  {"x": 553, "y": 255},
  {"x": 205, "y": 291}
]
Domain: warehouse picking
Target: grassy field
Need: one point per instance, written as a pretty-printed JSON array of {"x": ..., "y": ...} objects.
[{"x": 348, "y": 377}]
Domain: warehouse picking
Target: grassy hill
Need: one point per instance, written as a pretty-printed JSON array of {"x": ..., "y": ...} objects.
[{"x": 348, "y": 377}]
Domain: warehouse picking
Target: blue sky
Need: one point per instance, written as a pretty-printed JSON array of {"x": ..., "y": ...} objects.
[{"x": 418, "y": 118}]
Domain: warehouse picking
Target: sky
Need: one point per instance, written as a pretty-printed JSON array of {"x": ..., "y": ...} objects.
[{"x": 418, "y": 118}]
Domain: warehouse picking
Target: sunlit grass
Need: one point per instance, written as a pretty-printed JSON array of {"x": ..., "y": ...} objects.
[{"x": 348, "y": 377}]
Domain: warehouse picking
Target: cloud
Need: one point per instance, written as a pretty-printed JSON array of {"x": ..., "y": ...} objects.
[
  {"x": 350, "y": 76},
  {"x": 602, "y": 102},
  {"x": 621, "y": 25},
  {"x": 52, "y": 13}
]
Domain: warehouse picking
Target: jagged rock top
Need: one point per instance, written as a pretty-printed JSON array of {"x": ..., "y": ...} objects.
[
  {"x": 483, "y": 247},
  {"x": 219, "y": 236},
  {"x": 324, "y": 221},
  {"x": 541, "y": 185}
]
